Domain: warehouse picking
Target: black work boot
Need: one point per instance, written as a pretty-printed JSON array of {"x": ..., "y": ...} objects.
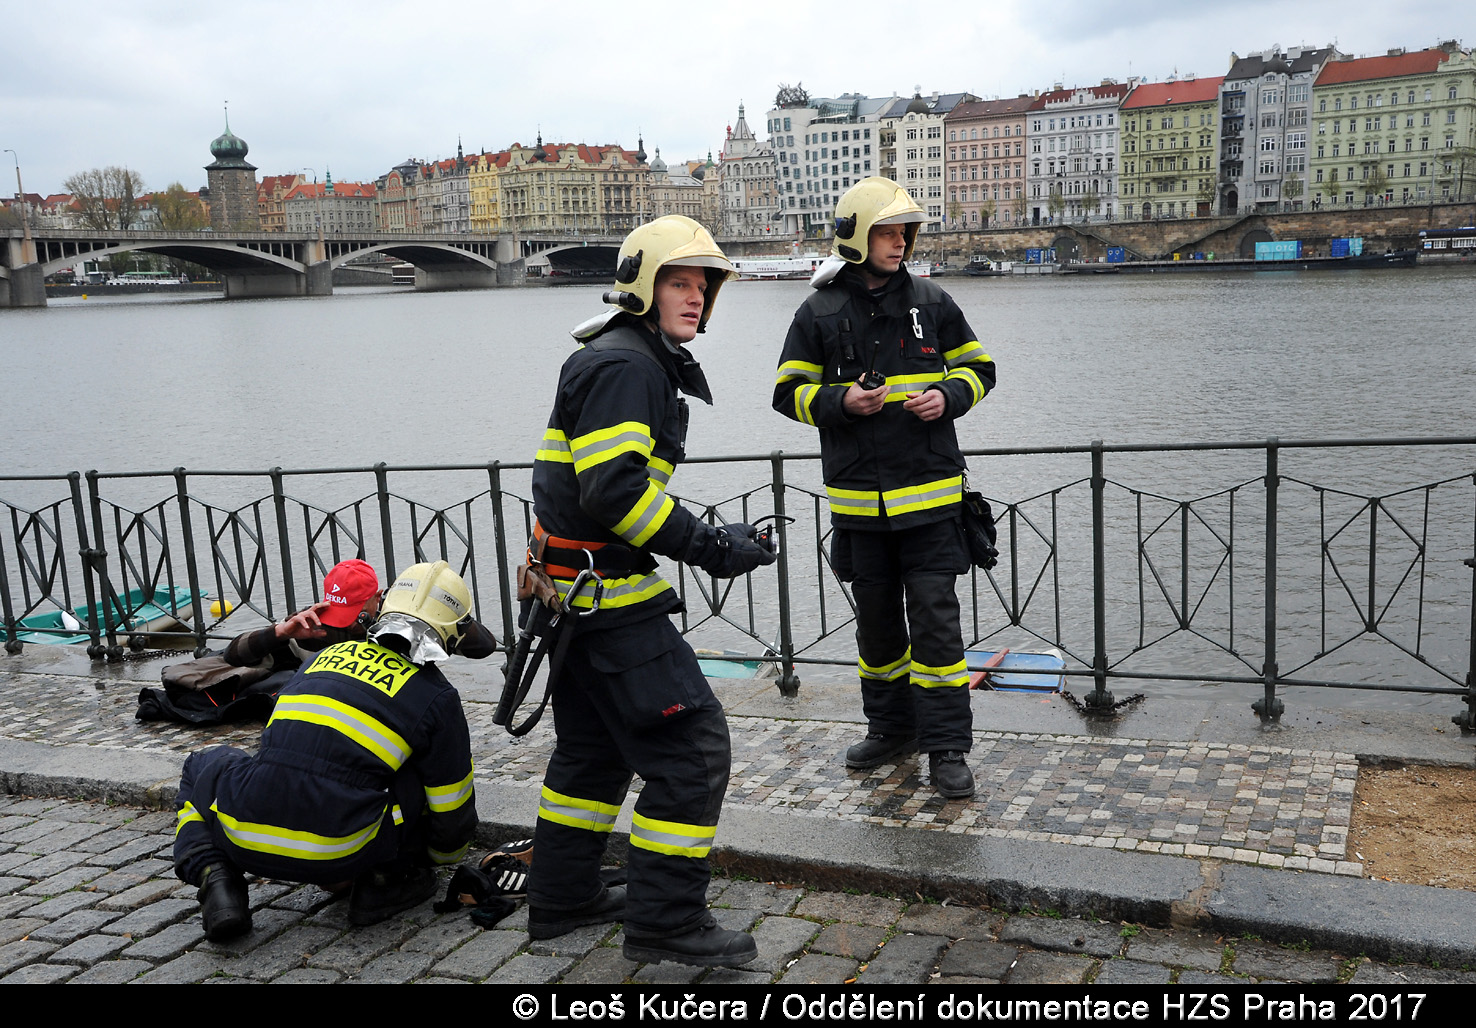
[
  {"x": 385, "y": 892},
  {"x": 878, "y": 749},
  {"x": 951, "y": 775},
  {"x": 223, "y": 903},
  {"x": 549, "y": 924},
  {"x": 707, "y": 945}
]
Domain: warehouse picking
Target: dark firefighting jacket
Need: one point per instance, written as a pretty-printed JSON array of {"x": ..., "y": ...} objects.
[
  {"x": 616, "y": 434},
  {"x": 889, "y": 470},
  {"x": 357, "y": 736}
]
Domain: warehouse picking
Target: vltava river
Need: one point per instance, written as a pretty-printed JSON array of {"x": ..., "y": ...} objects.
[{"x": 371, "y": 375}]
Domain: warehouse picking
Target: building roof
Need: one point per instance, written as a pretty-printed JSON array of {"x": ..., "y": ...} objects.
[
  {"x": 1293, "y": 62},
  {"x": 938, "y": 103},
  {"x": 991, "y": 108},
  {"x": 1106, "y": 91},
  {"x": 311, "y": 190},
  {"x": 1183, "y": 91},
  {"x": 1359, "y": 69}
]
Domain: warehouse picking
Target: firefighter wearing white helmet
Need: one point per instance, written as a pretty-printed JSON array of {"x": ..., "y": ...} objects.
[
  {"x": 364, "y": 775},
  {"x": 630, "y": 696},
  {"x": 882, "y": 363}
]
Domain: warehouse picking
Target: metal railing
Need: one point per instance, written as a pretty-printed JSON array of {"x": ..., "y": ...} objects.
[{"x": 1267, "y": 578}]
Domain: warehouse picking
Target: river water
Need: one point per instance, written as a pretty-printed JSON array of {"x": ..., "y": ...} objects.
[{"x": 369, "y": 374}]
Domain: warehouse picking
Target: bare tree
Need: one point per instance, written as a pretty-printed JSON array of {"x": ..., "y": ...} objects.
[
  {"x": 107, "y": 197},
  {"x": 1055, "y": 203},
  {"x": 987, "y": 211},
  {"x": 1376, "y": 184},
  {"x": 1018, "y": 206}
]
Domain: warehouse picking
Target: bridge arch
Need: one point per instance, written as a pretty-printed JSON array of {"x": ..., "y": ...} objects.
[
  {"x": 221, "y": 257},
  {"x": 418, "y": 254}
]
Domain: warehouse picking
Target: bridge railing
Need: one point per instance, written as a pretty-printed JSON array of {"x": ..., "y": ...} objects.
[{"x": 1283, "y": 571}]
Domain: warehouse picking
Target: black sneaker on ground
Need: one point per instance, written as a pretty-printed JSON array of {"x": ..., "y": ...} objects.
[
  {"x": 878, "y": 749},
  {"x": 707, "y": 945},
  {"x": 549, "y": 924},
  {"x": 383, "y": 893},
  {"x": 224, "y": 905},
  {"x": 951, "y": 775}
]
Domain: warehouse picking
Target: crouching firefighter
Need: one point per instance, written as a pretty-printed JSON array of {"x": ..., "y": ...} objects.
[
  {"x": 627, "y": 692},
  {"x": 363, "y": 781}
]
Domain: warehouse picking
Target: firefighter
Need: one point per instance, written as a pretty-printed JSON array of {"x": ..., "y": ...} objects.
[
  {"x": 630, "y": 695},
  {"x": 363, "y": 780},
  {"x": 883, "y": 363}
]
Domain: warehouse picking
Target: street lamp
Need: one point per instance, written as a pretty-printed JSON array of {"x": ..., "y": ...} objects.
[{"x": 28, "y": 247}]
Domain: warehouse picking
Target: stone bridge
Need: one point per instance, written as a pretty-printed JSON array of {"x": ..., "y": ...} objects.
[
  {"x": 290, "y": 264},
  {"x": 1382, "y": 227}
]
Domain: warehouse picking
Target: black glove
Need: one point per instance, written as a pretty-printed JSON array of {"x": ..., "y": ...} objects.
[{"x": 727, "y": 552}]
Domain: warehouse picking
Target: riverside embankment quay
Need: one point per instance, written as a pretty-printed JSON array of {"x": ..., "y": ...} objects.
[{"x": 1180, "y": 842}]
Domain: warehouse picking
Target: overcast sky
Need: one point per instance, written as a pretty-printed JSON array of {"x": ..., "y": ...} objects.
[{"x": 357, "y": 87}]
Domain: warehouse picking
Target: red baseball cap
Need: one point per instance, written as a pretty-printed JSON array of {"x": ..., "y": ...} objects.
[{"x": 348, "y": 585}]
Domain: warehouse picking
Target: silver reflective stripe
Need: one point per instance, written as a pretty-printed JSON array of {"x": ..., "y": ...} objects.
[
  {"x": 572, "y": 813},
  {"x": 588, "y": 450}
]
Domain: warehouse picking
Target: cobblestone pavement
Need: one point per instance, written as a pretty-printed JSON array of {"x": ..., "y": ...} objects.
[
  {"x": 87, "y": 895},
  {"x": 1255, "y": 804}
]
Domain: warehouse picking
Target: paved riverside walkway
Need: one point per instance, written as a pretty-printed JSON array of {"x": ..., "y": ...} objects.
[{"x": 1180, "y": 839}]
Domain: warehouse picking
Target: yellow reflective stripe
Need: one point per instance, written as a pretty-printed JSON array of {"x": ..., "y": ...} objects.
[
  {"x": 646, "y": 517},
  {"x": 886, "y": 672},
  {"x": 284, "y": 842},
  {"x": 187, "y": 813},
  {"x": 934, "y": 677},
  {"x": 671, "y": 837},
  {"x": 791, "y": 370},
  {"x": 804, "y": 398},
  {"x": 970, "y": 351},
  {"x": 597, "y": 447},
  {"x": 853, "y": 501},
  {"x": 397, "y": 814},
  {"x": 923, "y": 497},
  {"x": 659, "y": 471},
  {"x": 555, "y": 447},
  {"x": 370, "y": 733},
  {"x": 617, "y": 592},
  {"x": 453, "y": 857},
  {"x": 969, "y": 375},
  {"x": 898, "y": 386},
  {"x": 442, "y": 798},
  {"x": 591, "y": 815}
]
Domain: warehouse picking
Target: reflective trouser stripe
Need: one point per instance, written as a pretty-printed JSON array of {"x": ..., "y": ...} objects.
[
  {"x": 671, "y": 837},
  {"x": 187, "y": 813},
  {"x": 887, "y": 672},
  {"x": 969, "y": 375},
  {"x": 646, "y": 517},
  {"x": 369, "y": 732},
  {"x": 442, "y": 798},
  {"x": 441, "y": 857},
  {"x": 591, "y": 815},
  {"x": 616, "y": 592},
  {"x": 298, "y": 845},
  {"x": 935, "y": 677},
  {"x": 607, "y": 443},
  {"x": 555, "y": 448}
]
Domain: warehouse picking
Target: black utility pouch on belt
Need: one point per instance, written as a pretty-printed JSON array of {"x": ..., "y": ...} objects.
[{"x": 979, "y": 530}]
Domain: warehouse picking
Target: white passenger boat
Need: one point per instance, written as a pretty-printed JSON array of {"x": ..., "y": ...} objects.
[{"x": 800, "y": 266}]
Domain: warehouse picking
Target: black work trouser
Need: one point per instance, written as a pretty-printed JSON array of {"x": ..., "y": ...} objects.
[
  {"x": 200, "y": 841},
  {"x": 610, "y": 723},
  {"x": 913, "y": 676}
]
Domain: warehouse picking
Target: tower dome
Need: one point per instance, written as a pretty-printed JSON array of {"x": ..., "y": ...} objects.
[
  {"x": 658, "y": 164},
  {"x": 229, "y": 150}
]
